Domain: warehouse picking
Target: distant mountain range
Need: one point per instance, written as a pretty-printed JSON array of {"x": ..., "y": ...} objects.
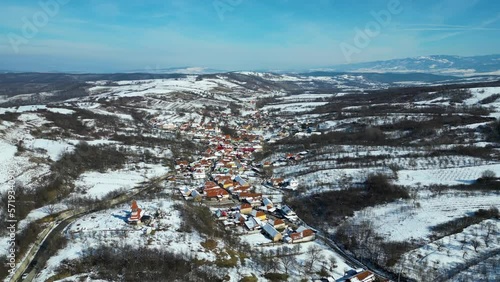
[
  {"x": 442, "y": 65},
  {"x": 178, "y": 70},
  {"x": 437, "y": 64}
]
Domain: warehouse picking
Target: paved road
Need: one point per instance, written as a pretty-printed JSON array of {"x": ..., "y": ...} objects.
[{"x": 37, "y": 261}]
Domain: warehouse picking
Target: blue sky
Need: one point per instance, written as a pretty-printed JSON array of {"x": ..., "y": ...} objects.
[{"x": 122, "y": 35}]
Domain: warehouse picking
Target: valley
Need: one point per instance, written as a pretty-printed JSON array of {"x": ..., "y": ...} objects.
[{"x": 255, "y": 177}]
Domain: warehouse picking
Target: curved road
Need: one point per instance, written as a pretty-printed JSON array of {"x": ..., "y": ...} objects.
[{"x": 37, "y": 261}]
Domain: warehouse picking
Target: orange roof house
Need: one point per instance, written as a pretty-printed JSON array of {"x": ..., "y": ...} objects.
[
  {"x": 303, "y": 235},
  {"x": 218, "y": 193},
  {"x": 277, "y": 223},
  {"x": 258, "y": 214},
  {"x": 365, "y": 276},
  {"x": 210, "y": 185},
  {"x": 246, "y": 208},
  {"x": 277, "y": 181},
  {"x": 238, "y": 188}
]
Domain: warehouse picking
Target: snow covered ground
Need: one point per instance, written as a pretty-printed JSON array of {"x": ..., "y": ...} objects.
[
  {"x": 96, "y": 184},
  {"x": 405, "y": 220},
  {"x": 446, "y": 176},
  {"x": 139, "y": 88},
  {"x": 452, "y": 252},
  {"x": 295, "y": 107},
  {"x": 181, "y": 100},
  {"x": 109, "y": 228}
]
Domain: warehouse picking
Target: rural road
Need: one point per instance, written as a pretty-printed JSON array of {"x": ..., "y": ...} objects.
[{"x": 35, "y": 261}]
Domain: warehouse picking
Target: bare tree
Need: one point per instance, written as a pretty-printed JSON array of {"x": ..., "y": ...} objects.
[
  {"x": 50, "y": 209},
  {"x": 490, "y": 229},
  {"x": 333, "y": 263},
  {"x": 463, "y": 242},
  {"x": 439, "y": 244},
  {"x": 288, "y": 261},
  {"x": 475, "y": 244},
  {"x": 314, "y": 254}
]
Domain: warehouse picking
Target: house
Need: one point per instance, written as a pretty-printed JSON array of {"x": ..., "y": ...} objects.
[
  {"x": 271, "y": 232},
  {"x": 267, "y": 204},
  {"x": 199, "y": 174},
  {"x": 240, "y": 180},
  {"x": 301, "y": 235},
  {"x": 169, "y": 126},
  {"x": 227, "y": 184},
  {"x": 252, "y": 198},
  {"x": 258, "y": 214},
  {"x": 293, "y": 184},
  {"x": 287, "y": 212},
  {"x": 210, "y": 185},
  {"x": 365, "y": 276},
  {"x": 238, "y": 189},
  {"x": 276, "y": 182},
  {"x": 246, "y": 208},
  {"x": 240, "y": 218},
  {"x": 216, "y": 193},
  {"x": 220, "y": 179},
  {"x": 277, "y": 223},
  {"x": 197, "y": 196},
  {"x": 253, "y": 224},
  {"x": 220, "y": 214},
  {"x": 186, "y": 192},
  {"x": 180, "y": 165}
]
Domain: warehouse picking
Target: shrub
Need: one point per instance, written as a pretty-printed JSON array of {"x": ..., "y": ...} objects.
[
  {"x": 198, "y": 218},
  {"x": 488, "y": 175},
  {"x": 459, "y": 224},
  {"x": 330, "y": 207},
  {"x": 273, "y": 276},
  {"x": 209, "y": 244},
  {"x": 490, "y": 99},
  {"x": 223, "y": 261},
  {"x": 249, "y": 279},
  {"x": 108, "y": 263},
  {"x": 8, "y": 116}
]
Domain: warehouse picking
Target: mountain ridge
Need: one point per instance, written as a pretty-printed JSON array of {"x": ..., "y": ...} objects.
[{"x": 434, "y": 64}]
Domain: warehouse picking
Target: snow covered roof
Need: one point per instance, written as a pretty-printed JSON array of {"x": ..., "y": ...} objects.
[{"x": 270, "y": 230}]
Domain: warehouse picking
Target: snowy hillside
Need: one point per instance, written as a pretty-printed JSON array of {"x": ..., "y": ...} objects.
[
  {"x": 437, "y": 64},
  {"x": 252, "y": 175}
]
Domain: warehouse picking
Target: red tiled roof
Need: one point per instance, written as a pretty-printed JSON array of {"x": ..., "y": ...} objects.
[
  {"x": 303, "y": 234},
  {"x": 210, "y": 184},
  {"x": 245, "y": 206},
  {"x": 212, "y": 193},
  {"x": 364, "y": 275},
  {"x": 250, "y": 195},
  {"x": 278, "y": 221}
]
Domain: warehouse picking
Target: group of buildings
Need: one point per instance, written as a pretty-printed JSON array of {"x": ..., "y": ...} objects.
[{"x": 225, "y": 176}]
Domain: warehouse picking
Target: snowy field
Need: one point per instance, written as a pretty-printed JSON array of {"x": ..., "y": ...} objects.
[
  {"x": 294, "y": 107},
  {"x": 453, "y": 251},
  {"x": 139, "y": 88},
  {"x": 404, "y": 220},
  {"x": 109, "y": 228},
  {"x": 447, "y": 176},
  {"x": 96, "y": 184}
]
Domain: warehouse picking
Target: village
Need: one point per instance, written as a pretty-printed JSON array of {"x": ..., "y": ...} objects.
[{"x": 240, "y": 194}]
